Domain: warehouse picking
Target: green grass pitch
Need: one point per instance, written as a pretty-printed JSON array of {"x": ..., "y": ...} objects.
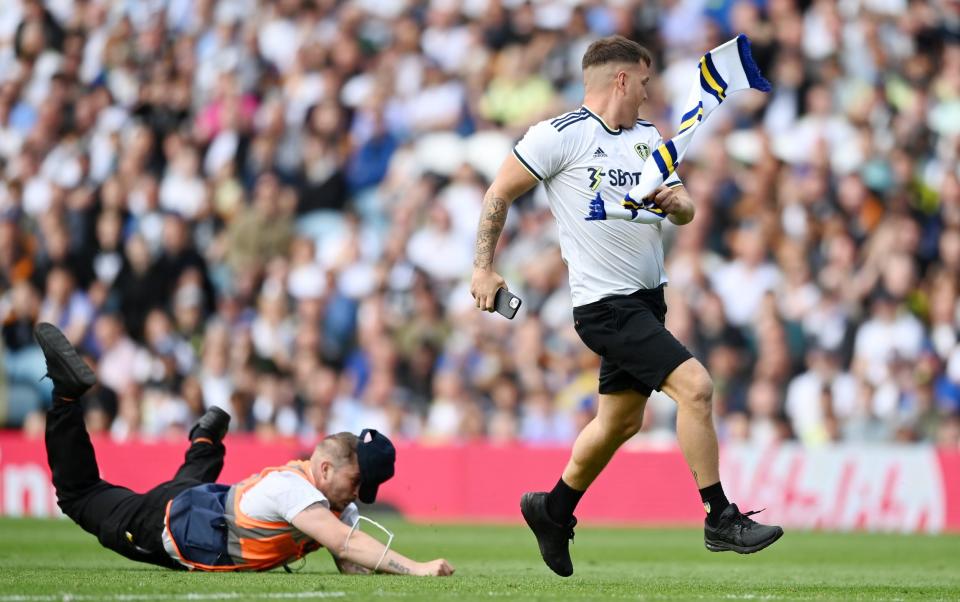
[{"x": 53, "y": 560}]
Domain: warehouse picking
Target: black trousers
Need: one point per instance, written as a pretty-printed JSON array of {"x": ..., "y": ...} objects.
[{"x": 126, "y": 522}]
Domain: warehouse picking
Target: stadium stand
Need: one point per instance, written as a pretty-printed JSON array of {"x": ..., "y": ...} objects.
[{"x": 270, "y": 206}]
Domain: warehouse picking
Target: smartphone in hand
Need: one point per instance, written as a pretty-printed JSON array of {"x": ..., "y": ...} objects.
[{"x": 506, "y": 303}]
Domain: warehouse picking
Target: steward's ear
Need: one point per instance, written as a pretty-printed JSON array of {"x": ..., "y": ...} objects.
[{"x": 326, "y": 468}]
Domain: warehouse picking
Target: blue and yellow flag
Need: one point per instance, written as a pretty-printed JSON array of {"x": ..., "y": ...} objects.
[{"x": 720, "y": 72}]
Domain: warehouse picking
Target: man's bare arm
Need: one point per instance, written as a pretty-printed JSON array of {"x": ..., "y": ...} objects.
[
  {"x": 359, "y": 548},
  {"x": 493, "y": 216},
  {"x": 511, "y": 181},
  {"x": 349, "y": 568}
]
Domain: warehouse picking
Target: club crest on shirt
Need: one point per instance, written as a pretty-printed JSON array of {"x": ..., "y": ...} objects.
[{"x": 643, "y": 150}]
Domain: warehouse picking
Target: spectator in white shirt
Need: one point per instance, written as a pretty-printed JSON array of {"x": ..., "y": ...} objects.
[
  {"x": 824, "y": 379},
  {"x": 889, "y": 331},
  {"x": 743, "y": 282}
]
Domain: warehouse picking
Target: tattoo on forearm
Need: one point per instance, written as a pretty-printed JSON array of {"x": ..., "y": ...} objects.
[
  {"x": 696, "y": 478},
  {"x": 399, "y": 568},
  {"x": 492, "y": 219},
  {"x": 351, "y": 568}
]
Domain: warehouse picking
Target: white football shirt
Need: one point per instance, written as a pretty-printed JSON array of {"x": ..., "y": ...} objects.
[{"x": 578, "y": 157}]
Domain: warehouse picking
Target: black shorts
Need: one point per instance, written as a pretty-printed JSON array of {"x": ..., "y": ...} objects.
[{"x": 627, "y": 332}]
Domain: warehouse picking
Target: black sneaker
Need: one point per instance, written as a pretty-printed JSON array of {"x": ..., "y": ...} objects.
[
  {"x": 738, "y": 532},
  {"x": 553, "y": 538},
  {"x": 71, "y": 375},
  {"x": 213, "y": 425}
]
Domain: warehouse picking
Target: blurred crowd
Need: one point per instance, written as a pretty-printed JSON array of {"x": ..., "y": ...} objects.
[{"x": 270, "y": 206}]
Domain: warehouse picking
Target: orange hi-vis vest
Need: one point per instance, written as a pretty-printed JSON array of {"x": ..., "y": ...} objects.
[{"x": 209, "y": 532}]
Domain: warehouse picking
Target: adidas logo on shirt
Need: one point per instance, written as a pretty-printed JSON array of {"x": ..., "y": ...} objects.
[{"x": 599, "y": 153}]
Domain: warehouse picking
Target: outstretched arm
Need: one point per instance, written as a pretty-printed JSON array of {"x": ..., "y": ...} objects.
[
  {"x": 511, "y": 181},
  {"x": 360, "y": 549},
  {"x": 348, "y": 568}
]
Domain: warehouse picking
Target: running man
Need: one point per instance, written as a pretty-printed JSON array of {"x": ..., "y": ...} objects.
[
  {"x": 617, "y": 276},
  {"x": 268, "y": 520}
]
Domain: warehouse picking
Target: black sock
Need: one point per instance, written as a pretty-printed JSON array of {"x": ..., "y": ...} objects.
[
  {"x": 562, "y": 501},
  {"x": 714, "y": 502}
]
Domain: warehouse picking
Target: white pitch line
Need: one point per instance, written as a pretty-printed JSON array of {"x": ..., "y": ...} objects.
[{"x": 66, "y": 597}]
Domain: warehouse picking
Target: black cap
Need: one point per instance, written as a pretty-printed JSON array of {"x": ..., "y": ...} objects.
[{"x": 376, "y": 456}]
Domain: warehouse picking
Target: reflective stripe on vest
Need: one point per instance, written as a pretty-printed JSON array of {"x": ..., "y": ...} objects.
[{"x": 263, "y": 545}]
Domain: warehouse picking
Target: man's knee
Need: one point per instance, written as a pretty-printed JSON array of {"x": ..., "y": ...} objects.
[
  {"x": 694, "y": 391},
  {"x": 74, "y": 503},
  {"x": 77, "y": 510},
  {"x": 70, "y": 509},
  {"x": 94, "y": 506},
  {"x": 699, "y": 398},
  {"x": 631, "y": 426}
]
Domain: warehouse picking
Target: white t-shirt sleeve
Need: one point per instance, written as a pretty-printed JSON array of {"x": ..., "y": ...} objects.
[
  {"x": 541, "y": 151},
  {"x": 280, "y": 496}
]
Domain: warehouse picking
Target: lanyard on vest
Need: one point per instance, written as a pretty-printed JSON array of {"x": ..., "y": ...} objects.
[
  {"x": 287, "y": 568},
  {"x": 356, "y": 524},
  {"x": 386, "y": 547}
]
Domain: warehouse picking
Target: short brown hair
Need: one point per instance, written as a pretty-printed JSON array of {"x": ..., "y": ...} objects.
[
  {"x": 615, "y": 49},
  {"x": 340, "y": 448}
]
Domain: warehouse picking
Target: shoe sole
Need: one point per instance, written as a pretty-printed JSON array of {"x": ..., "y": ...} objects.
[
  {"x": 54, "y": 344},
  {"x": 221, "y": 422},
  {"x": 722, "y": 546},
  {"x": 525, "y": 500}
]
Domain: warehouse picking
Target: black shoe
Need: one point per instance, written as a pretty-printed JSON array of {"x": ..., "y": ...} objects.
[
  {"x": 71, "y": 375},
  {"x": 553, "y": 538},
  {"x": 213, "y": 425},
  {"x": 738, "y": 532}
]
